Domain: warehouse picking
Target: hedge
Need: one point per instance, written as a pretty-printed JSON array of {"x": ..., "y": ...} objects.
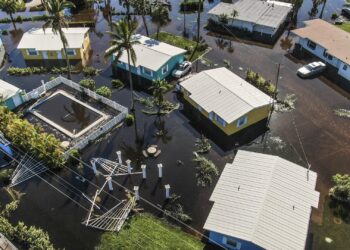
[{"x": 31, "y": 139}]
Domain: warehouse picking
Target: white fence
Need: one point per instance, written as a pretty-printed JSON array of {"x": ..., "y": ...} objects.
[{"x": 36, "y": 93}]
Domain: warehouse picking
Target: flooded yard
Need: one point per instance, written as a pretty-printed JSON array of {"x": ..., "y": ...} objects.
[{"x": 312, "y": 133}]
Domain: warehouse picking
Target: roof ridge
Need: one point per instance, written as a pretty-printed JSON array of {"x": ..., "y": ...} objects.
[
  {"x": 265, "y": 195},
  {"x": 151, "y": 47},
  {"x": 252, "y": 106}
]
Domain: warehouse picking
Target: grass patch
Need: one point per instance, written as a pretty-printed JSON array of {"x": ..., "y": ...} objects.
[
  {"x": 336, "y": 234},
  {"x": 183, "y": 43},
  {"x": 160, "y": 235},
  {"x": 345, "y": 26}
]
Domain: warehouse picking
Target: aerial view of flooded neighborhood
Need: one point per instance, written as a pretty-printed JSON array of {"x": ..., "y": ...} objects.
[{"x": 175, "y": 124}]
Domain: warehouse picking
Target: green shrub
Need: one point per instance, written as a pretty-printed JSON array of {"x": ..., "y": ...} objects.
[
  {"x": 5, "y": 175},
  {"x": 191, "y": 5},
  {"x": 39, "y": 18},
  {"x": 90, "y": 71},
  {"x": 24, "y": 135},
  {"x": 74, "y": 156},
  {"x": 37, "y": 8},
  {"x": 129, "y": 119},
  {"x": 4, "y": 33},
  {"x": 205, "y": 170},
  {"x": 258, "y": 81},
  {"x": 104, "y": 91},
  {"x": 88, "y": 83},
  {"x": 117, "y": 84},
  {"x": 18, "y": 19},
  {"x": 334, "y": 16}
]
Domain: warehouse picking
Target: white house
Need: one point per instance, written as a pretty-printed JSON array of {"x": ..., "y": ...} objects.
[
  {"x": 264, "y": 17},
  {"x": 327, "y": 42},
  {"x": 10, "y": 95},
  {"x": 262, "y": 202}
]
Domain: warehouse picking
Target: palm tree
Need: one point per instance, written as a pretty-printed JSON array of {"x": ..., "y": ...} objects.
[
  {"x": 323, "y": 7},
  {"x": 142, "y": 7},
  {"x": 184, "y": 10},
  {"x": 57, "y": 21},
  {"x": 296, "y": 6},
  {"x": 10, "y": 8},
  {"x": 159, "y": 87},
  {"x": 160, "y": 16},
  {"x": 123, "y": 39},
  {"x": 233, "y": 16}
]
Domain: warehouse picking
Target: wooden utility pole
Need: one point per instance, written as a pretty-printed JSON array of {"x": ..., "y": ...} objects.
[{"x": 274, "y": 97}]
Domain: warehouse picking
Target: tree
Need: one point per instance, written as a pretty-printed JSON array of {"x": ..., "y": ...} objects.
[
  {"x": 233, "y": 16},
  {"x": 160, "y": 16},
  {"x": 57, "y": 21},
  {"x": 314, "y": 9},
  {"x": 123, "y": 39},
  {"x": 341, "y": 189},
  {"x": 296, "y": 6},
  {"x": 159, "y": 87},
  {"x": 10, "y": 8},
  {"x": 142, "y": 7},
  {"x": 323, "y": 7},
  {"x": 184, "y": 11}
]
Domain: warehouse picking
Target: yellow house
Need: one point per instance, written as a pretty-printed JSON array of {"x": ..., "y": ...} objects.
[
  {"x": 46, "y": 46},
  {"x": 228, "y": 101}
]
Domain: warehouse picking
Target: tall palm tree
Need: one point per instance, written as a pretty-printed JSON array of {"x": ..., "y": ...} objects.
[
  {"x": 123, "y": 39},
  {"x": 10, "y": 8},
  {"x": 142, "y": 7},
  {"x": 296, "y": 6},
  {"x": 159, "y": 87},
  {"x": 323, "y": 7},
  {"x": 57, "y": 21},
  {"x": 160, "y": 16}
]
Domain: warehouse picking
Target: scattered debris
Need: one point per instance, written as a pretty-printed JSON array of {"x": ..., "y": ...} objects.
[
  {"x": 174, "y": 208},
  {"x": 286, "y": 105},
  {"x": 328, "y": 240},
  {"x": 240, "y": 68},
  {"x": 203, "y": 145},
  {"x": 342, "y": 113}
]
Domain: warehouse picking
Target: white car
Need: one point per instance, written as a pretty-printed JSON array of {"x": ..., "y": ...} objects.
[
  {"x": 311, "y": 69},
  {"x": 182, "y": 69}
]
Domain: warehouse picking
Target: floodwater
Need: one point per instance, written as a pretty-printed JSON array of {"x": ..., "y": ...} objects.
[
  {"x": 72, "y": 115},
  {"x": 324, "y": 137}
]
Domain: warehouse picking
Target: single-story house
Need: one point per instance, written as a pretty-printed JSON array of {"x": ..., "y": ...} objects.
[
  {"x": 262, "y": 202},
  {"x": 45, "y": 47},
  {"x": 328, "y": 43},
  {"x": 263, "y": 19},
  {"x": 154, "y": 59},
  {"x": 10, "y": 95},
  {"x": 5, "y": 244},
  {"x": 228, "y": 102}
]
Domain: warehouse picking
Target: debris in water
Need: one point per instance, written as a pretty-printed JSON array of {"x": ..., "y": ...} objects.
[
  {"x": 286, "y": 105},
  {"x": 240, "y": 68},
  {"x": 277, "y": 142},
  {"x": 328, "y": 240},
  {"x": 342, "y": 113}
]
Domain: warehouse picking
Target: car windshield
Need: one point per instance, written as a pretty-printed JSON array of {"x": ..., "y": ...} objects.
[
  {"x": 309, "y": 67},
  {"x": 182, "y": 67}
]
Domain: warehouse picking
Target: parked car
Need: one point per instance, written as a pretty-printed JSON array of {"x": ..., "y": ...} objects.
[
  {"x": 339, "y": 20},
  {"x": 346, "y": 11},
  {"x": 311, "y": 69},
  {"x": 182, "y": 69}
]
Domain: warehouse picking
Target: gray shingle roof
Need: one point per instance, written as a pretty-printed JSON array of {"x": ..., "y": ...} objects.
[{"x": 270, "y": 14}]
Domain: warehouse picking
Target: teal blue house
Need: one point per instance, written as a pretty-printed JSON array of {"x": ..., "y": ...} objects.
[
  {"x": 155, "y": 60},
  {"x": 10, "y": 95}
]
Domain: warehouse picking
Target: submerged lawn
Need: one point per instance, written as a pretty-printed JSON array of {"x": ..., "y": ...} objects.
[
  {"x": 180, "y": 42},
  {"x": 338, "y": 233},
  {"x": 144, "y": 231}
]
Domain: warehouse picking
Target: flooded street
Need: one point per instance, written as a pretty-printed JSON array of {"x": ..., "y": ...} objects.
[{"x": 312, "y": 128}]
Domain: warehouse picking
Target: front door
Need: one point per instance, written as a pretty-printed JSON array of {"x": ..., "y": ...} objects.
[
  {"x": 45, "y": 56},
  {"x": 59, "y": 55}
]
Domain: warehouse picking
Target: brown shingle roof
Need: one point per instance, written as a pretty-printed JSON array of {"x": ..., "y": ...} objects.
[{"x": 335, "y": 40}]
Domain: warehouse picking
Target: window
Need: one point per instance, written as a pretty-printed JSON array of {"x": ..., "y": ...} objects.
[
  {"x": 147, "y": 71},
  {"x": 326, "y": 55},
  {"x": 200, "y": 108},
  {"x": 32, "y": 52},
  {"x": 231, "y": 243},
  {"x": 311, "y": 44},
  {"x": 165, "y": 69},
  {"x": 70, "y": 52},
  {"x": 211, "y": 114},
  {"x": 241, "y": 121},
  {"x": 220, "y": 120},
  {"x": 345, "y": 67}
]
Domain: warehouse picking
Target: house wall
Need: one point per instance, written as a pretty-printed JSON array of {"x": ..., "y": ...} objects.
[
  {"x": 319, "y": 52},
  {"x": 253, "y": 117},
  {"x": 14, "y": 101},
  {"x": 171, "y": 64},
  {"x": 80, "y": 53},
  {"x": 241, "y": 244}
]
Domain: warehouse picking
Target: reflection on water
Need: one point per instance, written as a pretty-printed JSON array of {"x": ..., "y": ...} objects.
[{"x": 76, "y": 114}]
